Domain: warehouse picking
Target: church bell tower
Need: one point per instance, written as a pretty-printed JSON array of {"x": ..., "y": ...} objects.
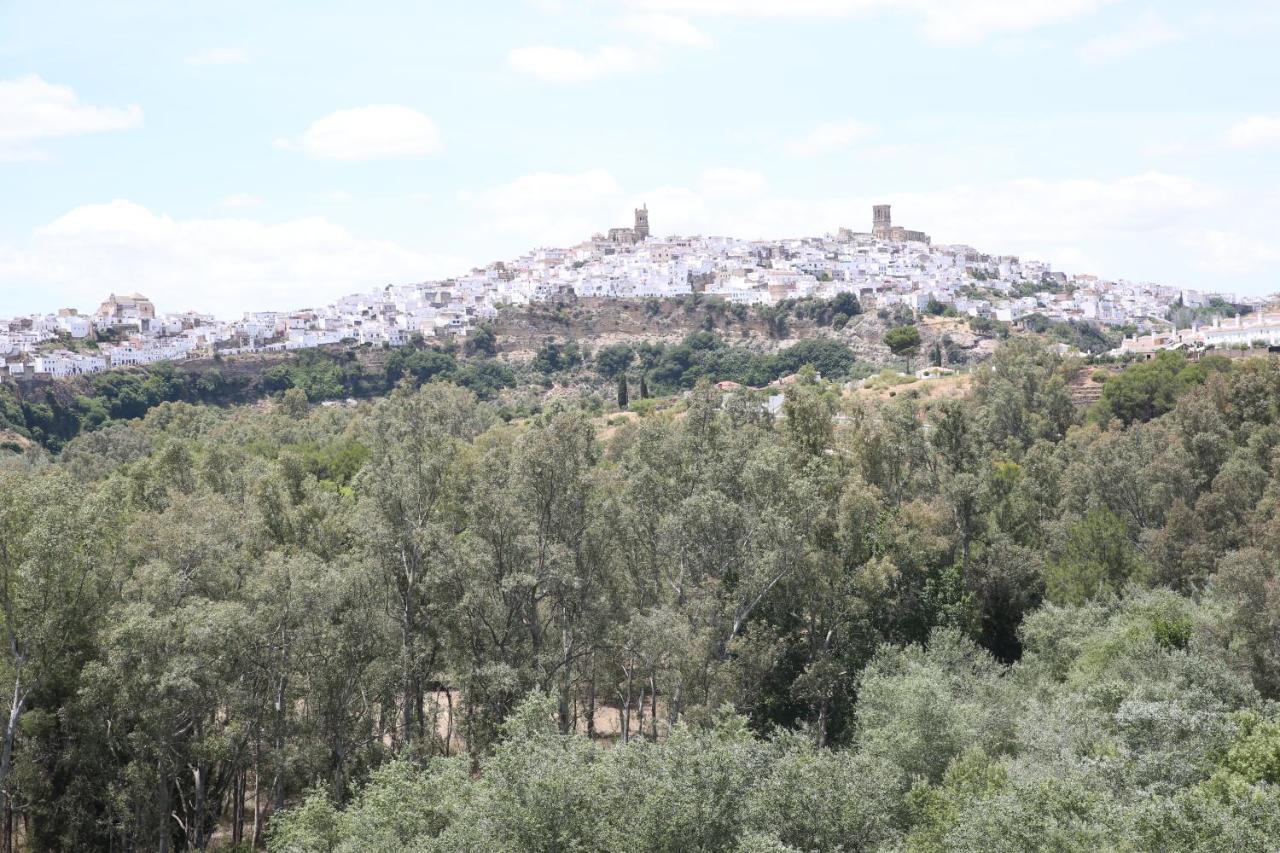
[
  {"x": 881, "y": 221},
  {"x": 642, "y": 223}
]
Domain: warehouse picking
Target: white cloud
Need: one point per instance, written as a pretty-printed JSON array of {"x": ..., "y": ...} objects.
[
  {"x": 1254, "y": 132},
  {"x": 827, "y": 137},
  {"x": 238, "y": 200},
  {"x": 563, "y": 209},
  {"x": 737, "y": 182},
  {"x": 549, "y": 208},
  {"x": 566, "y": 65},
  {"x": 219, "y": 56},
  {"x": 1165, "y": 148},
  {"x": 1147, "y": 32},
  {"x": 941, "y": 20},
  {"x": 678, "y": 210},
  {"x": 973, "y": 20},
  {"x": 1232, "y": 252},
  {"x": 368, "y": 133},
  {"x": 223, "y": 265},
  {"x": 32, "y": 109},
  {"x": 667, "y": 29}
]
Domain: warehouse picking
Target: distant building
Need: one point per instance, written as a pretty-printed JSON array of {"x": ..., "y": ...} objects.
[
  {"x": 642, "y": 223},
  {"x": 881, "y": 221},
  {"x": 73, "y": 324},
  {"x": 133, "y": 309},
  {"x": 638, "y": 233},
  {"x": 882, "y": 228}
]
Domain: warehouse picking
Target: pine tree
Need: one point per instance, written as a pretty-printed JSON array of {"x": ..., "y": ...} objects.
[{"x": 623, "y": 397}]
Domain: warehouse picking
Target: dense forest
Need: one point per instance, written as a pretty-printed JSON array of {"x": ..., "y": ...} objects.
[
  {"x": 51, "y": 416},
  {"x": 433, "y": 622}
]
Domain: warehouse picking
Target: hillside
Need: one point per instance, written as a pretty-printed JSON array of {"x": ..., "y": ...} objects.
[
  {"x": 605, "y": 322},
  {"x": 525, "y": 358}
]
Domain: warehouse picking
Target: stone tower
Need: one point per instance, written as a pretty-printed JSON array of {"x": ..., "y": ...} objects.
[
  {"x": 642, "y": 223},
  {"x": 881, "y": 222}
]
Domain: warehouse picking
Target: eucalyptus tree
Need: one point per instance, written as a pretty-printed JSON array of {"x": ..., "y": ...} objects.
[
  {"x": 407, "y": 522},
  {"x": 53, "y": 593}
]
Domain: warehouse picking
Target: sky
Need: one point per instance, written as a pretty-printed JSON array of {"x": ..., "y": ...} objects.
[{"x": 275, "y": 154}]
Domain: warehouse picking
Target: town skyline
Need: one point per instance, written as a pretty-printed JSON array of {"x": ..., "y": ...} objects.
[
  {"x": 252, "y": 160},
  {"x": 896, "y": 271},
  {"x": 624, "y": 237}
]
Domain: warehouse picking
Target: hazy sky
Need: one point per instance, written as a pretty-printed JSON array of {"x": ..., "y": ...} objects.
[{"x": 268, "y": 154}]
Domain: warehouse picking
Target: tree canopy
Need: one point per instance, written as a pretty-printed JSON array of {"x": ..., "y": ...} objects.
[{"x": 994, "y": 621}]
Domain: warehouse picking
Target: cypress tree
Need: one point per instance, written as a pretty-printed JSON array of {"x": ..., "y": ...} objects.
[
  {"x": 644, "y": 388},
  {"x": 623, "y": 397}
]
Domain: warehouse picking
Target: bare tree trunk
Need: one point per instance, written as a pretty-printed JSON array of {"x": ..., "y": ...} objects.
[
  {"x": 591, "y": 698},
  {"x": 162, "y": 843},
  {"x": 8, "y": 824},
  {"x": 566, "y": 676},
  {"x": 653, "y": 704},
  {"x": 11, "y": 727},
  {"x": 406, "y": 626},
  {"x": 640, "y": 713},
  {"x": 673, "y": 712},
  {"x": 257, "y": 792},
  {"x": 448, "y": 725},
  {"x": 339, "y": 759},
  {"x": 195, "y": 821},
  {"x": 277, "y": 781},
  {"x": 237, "y": 808}
]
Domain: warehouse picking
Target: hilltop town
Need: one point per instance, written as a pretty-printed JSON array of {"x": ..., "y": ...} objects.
[{"x": 886, "y": 267}]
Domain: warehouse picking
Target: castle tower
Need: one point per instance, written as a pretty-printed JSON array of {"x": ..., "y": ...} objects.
[
  {"x": 881, "y": 221},
  {"x": 642, "y": 223}
]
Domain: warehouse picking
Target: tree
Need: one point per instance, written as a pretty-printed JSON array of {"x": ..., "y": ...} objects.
[
  {"x": 809, "y": 410},
  {"x": 1097, "y": 556},
  {"x": 294, "y": 403},
  {"x": 405, "y": 503},
  {"x": 614, "y": 360},
  {"x": 903, "y": 341},
  {"x": 622, "y": 391},
  {"x": 846, "y": 303},
  {"x": 481, "y": 341},
  {"x": 1149, "y": 389}
]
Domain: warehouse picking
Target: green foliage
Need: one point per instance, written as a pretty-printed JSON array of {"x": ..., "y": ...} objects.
[
  {"x": 554, "y": 356},
  {"x": 1149, "y": 389},
  {"x": 1084, "y": 336},
  {"x": 981, "y": 623},
  {"x": 1254, "y": 756},
  {"x": 704, "y": 355},
  {"x": 481, "y": 342},
  {"x": 903, "y": 340},
  {"x": 313, "y": 375},
  {"x": 1184, "y": 317},
  {"x": 613, "y": 360},
  {"x": 1096, "y": 556}
]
